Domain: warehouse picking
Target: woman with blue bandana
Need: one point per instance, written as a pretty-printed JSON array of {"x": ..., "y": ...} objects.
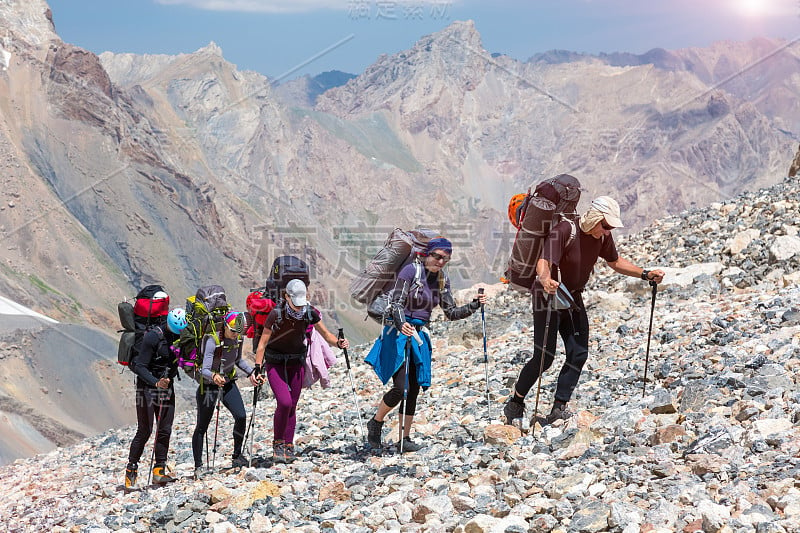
[{"x": 405, "y": 343}]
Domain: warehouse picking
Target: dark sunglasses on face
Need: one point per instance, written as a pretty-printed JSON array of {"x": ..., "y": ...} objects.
[
  {"x": 605, "y": 225},
  {"x": 439, "y": 257}
]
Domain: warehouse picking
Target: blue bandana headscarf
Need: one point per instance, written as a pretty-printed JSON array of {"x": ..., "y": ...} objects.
[{"x": 440, "y": 243}]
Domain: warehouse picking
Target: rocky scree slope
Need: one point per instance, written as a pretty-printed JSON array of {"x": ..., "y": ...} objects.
[{"x": 712, "y": 445}]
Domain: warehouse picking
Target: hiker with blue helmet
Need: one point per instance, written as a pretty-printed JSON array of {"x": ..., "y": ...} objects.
[
  {"x": 283, "y": 349},
  {"x": 222, "y": 357},
  {"x": 420, "y": 287},
  {"x": 155, "y": 367},
  {"x": 567, "y": 263}
]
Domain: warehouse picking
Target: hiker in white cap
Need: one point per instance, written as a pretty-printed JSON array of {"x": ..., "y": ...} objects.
[
  {"x": 567, "y": 263},
  {"x": 283, "y": 348}
]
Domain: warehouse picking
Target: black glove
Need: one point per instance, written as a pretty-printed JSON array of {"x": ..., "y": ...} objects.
[{"x": 257, "y": 370}]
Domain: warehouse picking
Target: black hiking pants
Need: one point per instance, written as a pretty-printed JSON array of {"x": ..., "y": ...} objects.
[
  {"x": 206, "y": 402},
  {"x": 395, "y": 395},
  {"x": 573, "y": 326},
  {"x": 154, "y": 406}
]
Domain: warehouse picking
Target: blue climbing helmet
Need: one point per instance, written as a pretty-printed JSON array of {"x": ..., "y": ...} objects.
[{"x": 176, "y": 320}]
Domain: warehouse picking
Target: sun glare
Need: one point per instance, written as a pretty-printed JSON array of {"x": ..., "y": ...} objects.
[{"x": 752, "y": 8}]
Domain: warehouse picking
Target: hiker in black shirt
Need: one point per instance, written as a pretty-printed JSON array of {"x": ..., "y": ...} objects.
[
  {"x": 572, "y": 263},
  {"x": 283, "y": 348},
  {"x": 155, "y": 367}
]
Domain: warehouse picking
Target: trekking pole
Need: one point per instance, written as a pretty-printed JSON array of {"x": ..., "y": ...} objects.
[
  {"x": 654, "y": 288},
  {"x": 405, "y": 395},
  {"x": 541, "y": 362},
  {"x": 216, "y": 429},
  {"x": 353, "y": 385},
  {"x": 485, "y": 359},
  {"x": 256, "y": 392},
  {"x": 216, "y": 425}
]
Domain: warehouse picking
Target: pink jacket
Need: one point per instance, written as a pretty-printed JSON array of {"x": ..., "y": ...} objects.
[{"x": 320, "y": 358}]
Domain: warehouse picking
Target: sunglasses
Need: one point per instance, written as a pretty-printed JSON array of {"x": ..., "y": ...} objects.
[
  {"x": 440, "y": 257},
  {"x": 605, "y": 225}
]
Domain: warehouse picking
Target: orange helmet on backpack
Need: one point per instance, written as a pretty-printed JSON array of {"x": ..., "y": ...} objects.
[{"x": 514, "y": 214}]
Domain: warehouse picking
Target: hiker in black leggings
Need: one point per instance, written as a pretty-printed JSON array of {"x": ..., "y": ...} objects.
[
  {"x": 220, "y": 361},
  {"x": 155, "y": 367},
  {"x": 421, "y": 286}
]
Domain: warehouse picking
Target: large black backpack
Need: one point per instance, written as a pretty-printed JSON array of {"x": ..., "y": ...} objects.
[
  {"x": 137, "y": 318},
  {"x": 284, "y": 269},
  {"x": 552, "y": 201},
  {"x": 260, "y": 302}
]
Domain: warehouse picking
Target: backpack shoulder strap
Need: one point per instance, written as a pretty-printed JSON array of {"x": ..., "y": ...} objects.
[
  {"x": 418, "y": 273},
  {"x": 573, "y": 230},
  {"x": 307, "y": 318},
  {"x": 278, "y": 314},
  {"x": 161, "y": 335}
]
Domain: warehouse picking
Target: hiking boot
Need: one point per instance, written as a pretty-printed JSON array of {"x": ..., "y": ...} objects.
[
  {"x": 559, "y": 412},
  {"x": 199, "y": 472},
  {"x": 239, "y": 461},
  {"x": 374, "y": 429},
  {"x": 278, "y": 452},
  {"x": 130, "y": 475},
  {"x": 513, "y": 410},
  {"x": 288, "y": 452},
  {"x": 160, "y": 475},
  {"x": 409, "y": 445}
]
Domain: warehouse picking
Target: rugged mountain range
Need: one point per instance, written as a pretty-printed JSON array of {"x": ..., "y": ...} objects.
[
  {"x": 121, "y": 170},
  {"x": 761, "y": 71}
]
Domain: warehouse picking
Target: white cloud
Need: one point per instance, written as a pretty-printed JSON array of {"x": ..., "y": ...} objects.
[{"x": 293, "y": 6}]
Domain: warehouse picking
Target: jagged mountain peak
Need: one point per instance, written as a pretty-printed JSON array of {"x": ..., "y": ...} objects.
[
  {"x": 461, "y": 32},
  {"x": 211, "y": 48},
  {"x": 452, "y": 59},
  {"x": 27, "y": 20},
  {"x": 128, "y": 69}
]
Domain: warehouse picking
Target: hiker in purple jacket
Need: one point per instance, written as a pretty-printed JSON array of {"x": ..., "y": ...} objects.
[{"x": 420, "y": 287}]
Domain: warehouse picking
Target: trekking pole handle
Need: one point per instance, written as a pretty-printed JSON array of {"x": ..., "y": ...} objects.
[{"x": 346, "y": 356}]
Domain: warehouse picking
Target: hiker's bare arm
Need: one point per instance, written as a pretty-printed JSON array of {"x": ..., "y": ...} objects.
[
  {"x": 262, "y": 344},
  {"x": 625, "y": 267},
  {"x": 543, "y": 275}
]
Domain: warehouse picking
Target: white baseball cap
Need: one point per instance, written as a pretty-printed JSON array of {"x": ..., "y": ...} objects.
[
  {"x": 610, "y": 209},
  {"x": 296, "y": 290}
]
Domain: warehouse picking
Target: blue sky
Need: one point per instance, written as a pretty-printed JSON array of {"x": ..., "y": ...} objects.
[{"x": 279, "y": 38}]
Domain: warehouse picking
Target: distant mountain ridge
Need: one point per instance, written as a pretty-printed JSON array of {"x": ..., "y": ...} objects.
[
  {"x": 304, "y": 91},
  {"x": 762, "y": 71}
]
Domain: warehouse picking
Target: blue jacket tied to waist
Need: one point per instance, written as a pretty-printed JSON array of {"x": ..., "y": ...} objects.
[{"x": 388, "y": 353}]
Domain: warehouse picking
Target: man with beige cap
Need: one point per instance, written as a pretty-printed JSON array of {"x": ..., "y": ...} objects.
[{"x": 569, "y": 263}]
